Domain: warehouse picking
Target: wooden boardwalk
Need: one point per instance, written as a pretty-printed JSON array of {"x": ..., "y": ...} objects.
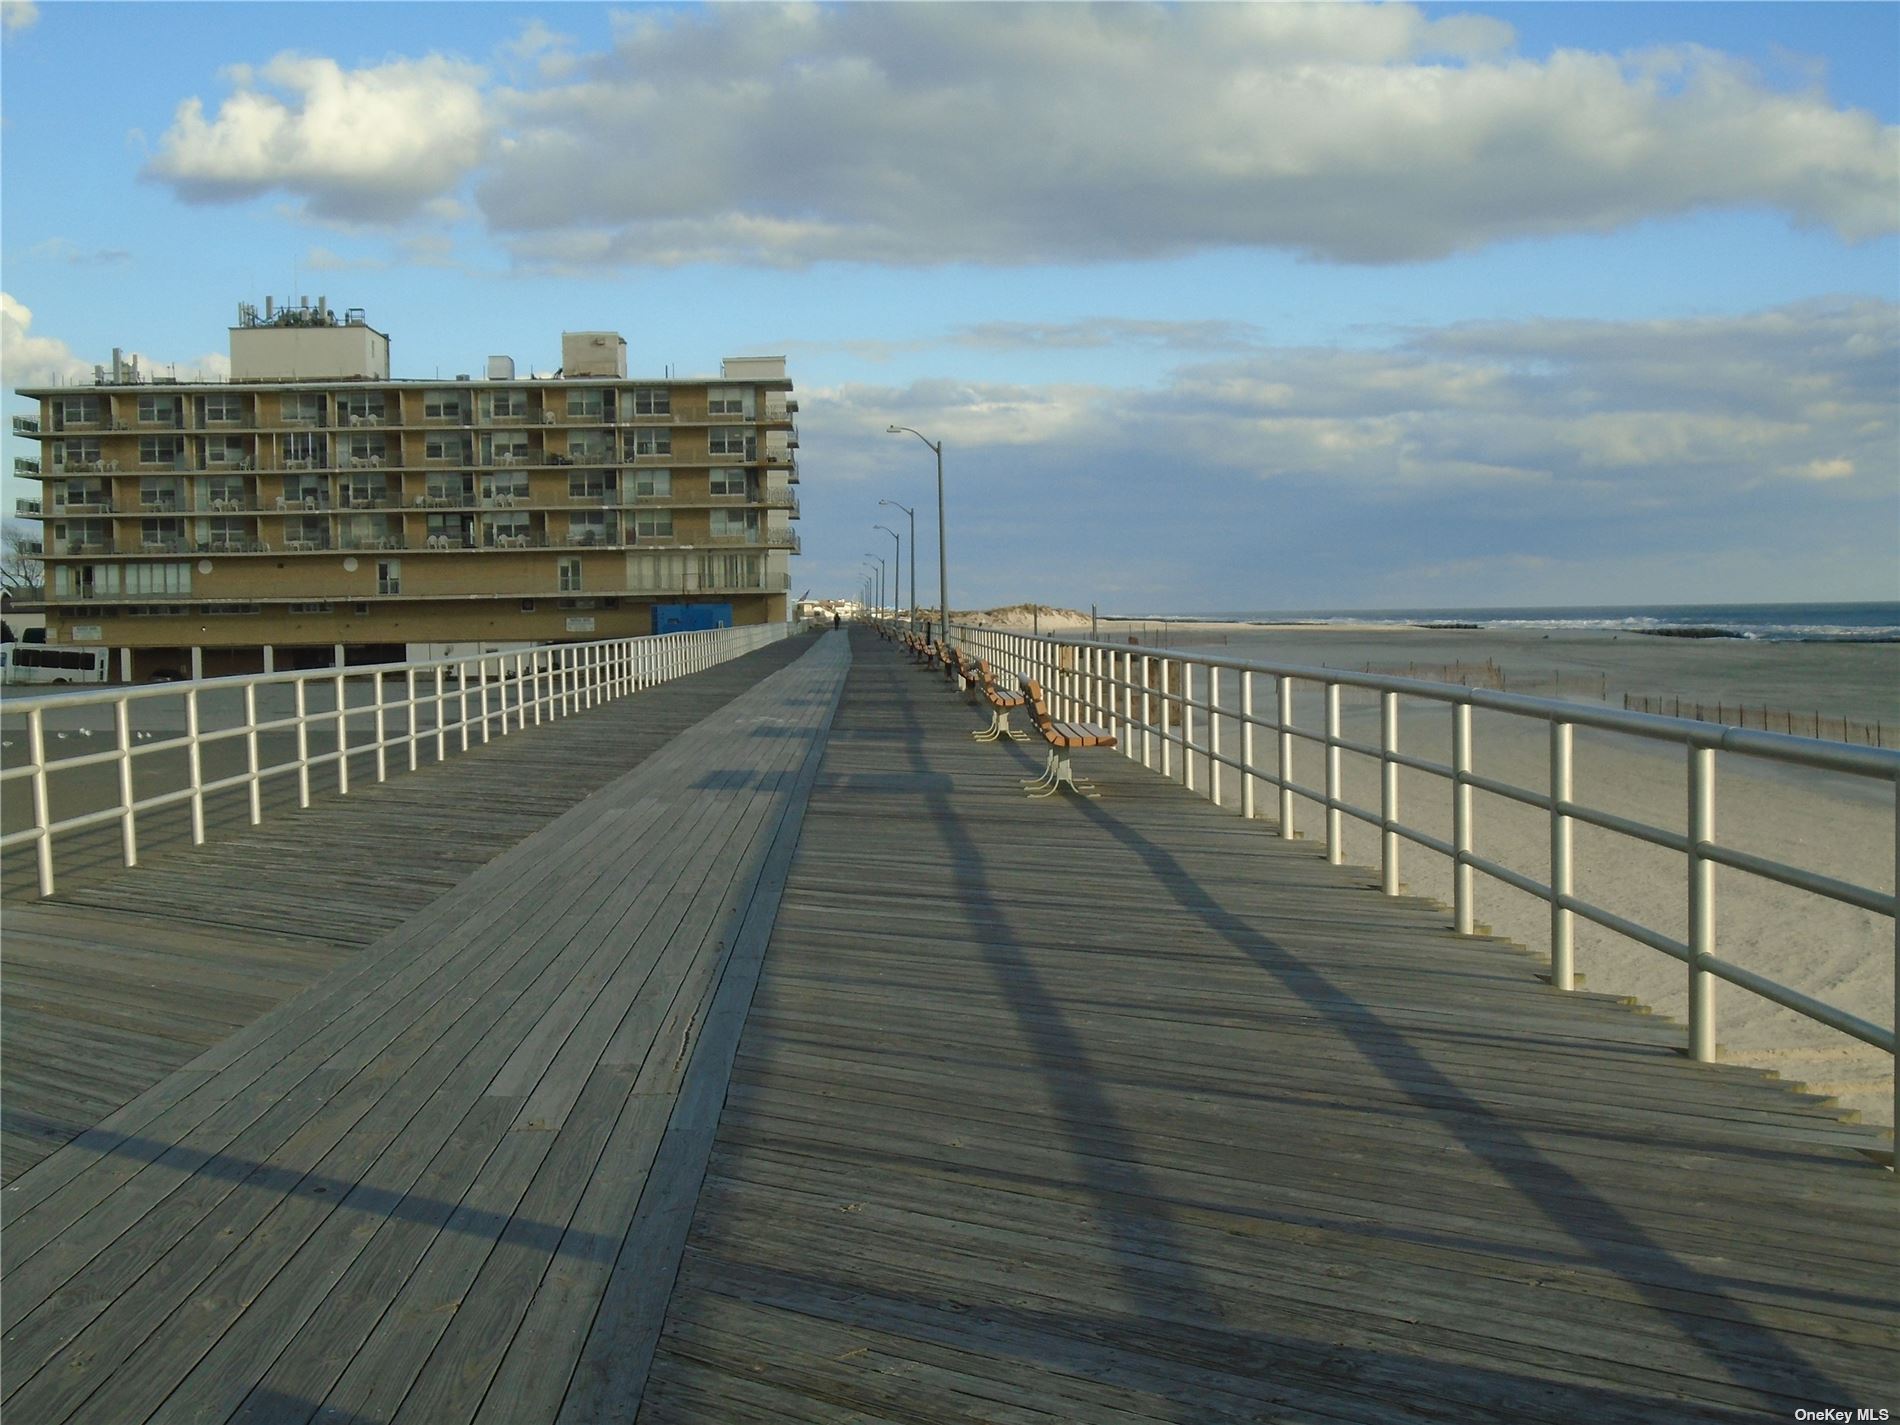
[
  {"x": 410, "y": 1193},
  {"x": 1047, "y": 1111},
  {"x": 125, "y": 975},
  {"x": 1128, "y": 1111}
]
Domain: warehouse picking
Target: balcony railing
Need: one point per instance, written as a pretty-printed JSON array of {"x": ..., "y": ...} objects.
[
  {"x": 24, "y": 466},
  {"x": 25, "y": 425},
  {"x": 83, "y": 507},
  {"x": 26, "y": 507}
]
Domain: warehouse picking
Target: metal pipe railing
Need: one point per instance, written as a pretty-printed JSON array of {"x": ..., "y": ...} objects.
[
  {"x": 1150, "y": 699},
  {"x": 552, "y": 681}
]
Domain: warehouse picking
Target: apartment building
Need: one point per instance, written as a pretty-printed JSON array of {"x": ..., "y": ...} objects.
[{"x": 312, "y": 501}]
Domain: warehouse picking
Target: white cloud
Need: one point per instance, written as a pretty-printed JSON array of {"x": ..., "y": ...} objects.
[
  {"x": 65, "y": 250},
  {"x": 918, "y": 134},
  {"x": 369, "y": 144},
  {"x": 17, "y": 15},
  {"x": 34, "y": 360},
  {"x": 31, "y": 360}
]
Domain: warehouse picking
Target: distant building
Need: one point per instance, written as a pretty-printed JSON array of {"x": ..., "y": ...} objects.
[{"x": 311, "y": 501}]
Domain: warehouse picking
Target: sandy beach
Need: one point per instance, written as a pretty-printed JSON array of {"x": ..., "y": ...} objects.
[{"x": 1837, "y": 825}]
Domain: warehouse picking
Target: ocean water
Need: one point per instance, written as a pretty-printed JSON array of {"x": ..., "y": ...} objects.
[{"x": 1768, "y": 623}]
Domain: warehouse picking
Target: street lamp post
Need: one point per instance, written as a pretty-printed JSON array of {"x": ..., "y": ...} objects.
[
  {"x": 913, "y": 557},
  {"x": 943, "y": 576},
  {"x": 897, "y": 565},
  {"x": 880, "y": 579}
]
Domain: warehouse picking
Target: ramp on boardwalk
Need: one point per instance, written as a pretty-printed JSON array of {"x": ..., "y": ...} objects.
[
  {"x": 1129, "y": 1111},
  {"x": 411, "y": 1192},
  {"x": 125, "y": 975}
]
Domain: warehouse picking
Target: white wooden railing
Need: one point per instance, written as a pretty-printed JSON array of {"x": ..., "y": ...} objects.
[
  {"x": 1168, "y": 711},
  {"x": 464, "y": 701}
]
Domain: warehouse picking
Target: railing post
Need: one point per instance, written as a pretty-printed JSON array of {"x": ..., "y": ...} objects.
[
  {"x": 1187, "y": 724},
  {"x": 1335, "y": 790},
  {"x": 382, "y": 730},
  {"x": 1563, "y": 930},
  {"x": 342, "y": 733},
  {"x": 1213, "y": 735},
  {"x": 1286, "y": 756},
  {"x": 1701, "y": 903},
  {"x": 441, "y": 716},
  {"x": 1167, "y": 709},
  {"x": 250, "y": 754},
  {"x": 128, "y": 795},
  {"x": 1147, "y": 713},
  {"x": 1388, "y": 793},
  {"x": 303, "y": 741},
  {"x": 1463, "y": 911},
  {"x": 461, "y": 699},
  {"x": 481, "y": 694},
  {"x": 42, "y": 802},
  {"x": 409, "y": 715},
  {"x": 1246, "y": 744},
  {"x": 194, "y": 759}
]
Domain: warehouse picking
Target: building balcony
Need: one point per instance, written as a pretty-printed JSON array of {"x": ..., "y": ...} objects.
[
  {"x": 307, "y": 504},
  {"x": 82, "y": 506},
  {"x": 372, "y": 542},
  {"x": 308, "y": 543},
  {"x": 23, "y": 466},
  {"x": 26, "y": 507},
  {"x": 532, "y": 539},
  {"x": 25, "y": 425},
  {"x": 82, "y": 548},
  {"x": 234, "y": 546}
]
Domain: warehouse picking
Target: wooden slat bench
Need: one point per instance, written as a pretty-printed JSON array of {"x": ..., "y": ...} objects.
[
  {"x": 1002, "y": 704},
  {"x": 1063, "y": 738}
]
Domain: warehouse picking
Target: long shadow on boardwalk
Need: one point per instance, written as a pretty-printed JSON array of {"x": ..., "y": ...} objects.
[
  {"x": 863, "y": 1091},
  {"x": 1588, "y": 1219}
]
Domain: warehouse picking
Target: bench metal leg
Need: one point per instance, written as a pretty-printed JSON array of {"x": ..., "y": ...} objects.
[
  {"x": 1063, "y": 776},
  {"x": 999, "y": 727},
  {"x": 1048, "y": 777}
]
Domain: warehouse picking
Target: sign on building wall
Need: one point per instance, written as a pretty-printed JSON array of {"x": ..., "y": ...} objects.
[
  {"x": 580, "y": 625},
  {"x": 87, "y": 632}
]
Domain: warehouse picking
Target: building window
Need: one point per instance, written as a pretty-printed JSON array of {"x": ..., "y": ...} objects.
[
  {"x": 76, "y": 454},
  {"x": 587, "y": 528},
  {"x": 507, "y": 450},
  {"x": 305, "y": 450},
  {"x": 156, "y": 579},
  {"x": 727, "y": 401},
  {"x": 585, "y": 403},
  {"x": 160, "y": 449},
  {"x": 731, "y": 440},
  {"x": 319, "y": 608},
  {"x": 225, "y": 491},
  {"x": 649, "y": 442},
  {"x": 653, "y": 524},
  {"x": 157, "y": 494},
  {"x": 389, "y": 576},
  {"x": 504, "y": 405},
  {"x": 158, "y": 410},
  {"x": 445, "y": 447},
  {"x": 447, "y": 532},
  {"x": 227, "y": 450},
  {"x": 76, "y": 411},
  {"x": 653, "y": 484},
  {"x": 305, "y": 533},
  {"x": 653, "y": 401},
  {"x": 308, "y": 492},
  {"x": 450, "y": 490},
  {"x": 726, "y": 482},
  {"x": 736, "y": 524},
  {"x": 303, "y": 408},
  {"x": 587, "y": 485},
  {"x": 360, "y": 408},
  {"x": 441, "y": 405},
  {"x": 570, "y": 576},
  {"x": 224, "y": 409}
]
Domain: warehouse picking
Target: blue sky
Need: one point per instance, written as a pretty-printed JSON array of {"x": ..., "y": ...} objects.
[{"x": 1214, "y": 306}]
